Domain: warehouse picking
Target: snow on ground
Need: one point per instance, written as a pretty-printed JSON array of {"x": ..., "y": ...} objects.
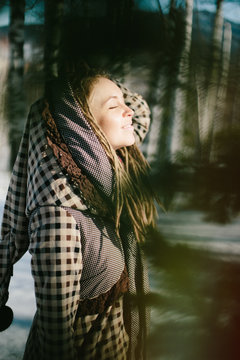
[{"x": 189, "y": 227}]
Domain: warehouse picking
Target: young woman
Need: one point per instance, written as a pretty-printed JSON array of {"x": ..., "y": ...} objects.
[{"x": 80, "y": 202}]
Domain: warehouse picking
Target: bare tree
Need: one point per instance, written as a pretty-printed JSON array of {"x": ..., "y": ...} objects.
[
  {"x": 219, "y": 125},
  {"x": 181, "y": 93},
  {"x": 166, "y": 128},
  {"x": 208, "y": 99},
  {"x": 15, "y": 106},
  {"x": 235, "y": 116},
  {"x": 54, "y": 10}
]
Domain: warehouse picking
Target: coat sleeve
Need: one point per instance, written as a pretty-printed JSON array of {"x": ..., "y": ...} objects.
[
  {"x": 56, "y": 267},
  {"x": 14, "y": 239},
  {"x": 141, "y": 117}
]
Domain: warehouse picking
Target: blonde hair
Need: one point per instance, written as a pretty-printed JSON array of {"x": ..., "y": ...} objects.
[{"x": 133, "y": 199}]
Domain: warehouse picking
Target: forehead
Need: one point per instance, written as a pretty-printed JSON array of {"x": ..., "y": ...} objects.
[{"x": 103, "y": 89}]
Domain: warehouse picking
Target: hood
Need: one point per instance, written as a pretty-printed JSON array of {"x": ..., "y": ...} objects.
[
  {"x": 58, "y": 176},
  {"x": 80, "y": 139}
]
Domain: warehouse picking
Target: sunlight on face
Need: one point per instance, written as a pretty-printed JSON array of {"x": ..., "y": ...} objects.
[{"x": 114, "y": 117}]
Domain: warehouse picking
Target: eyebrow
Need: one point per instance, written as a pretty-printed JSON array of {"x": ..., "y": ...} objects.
[{"x": 111, "y": 97}]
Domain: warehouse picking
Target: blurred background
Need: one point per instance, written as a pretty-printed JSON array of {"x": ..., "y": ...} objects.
[{"x": 183, "y": 56}]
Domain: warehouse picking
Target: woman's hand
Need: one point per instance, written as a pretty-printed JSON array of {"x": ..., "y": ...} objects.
[{"x": 6, "y": 317}]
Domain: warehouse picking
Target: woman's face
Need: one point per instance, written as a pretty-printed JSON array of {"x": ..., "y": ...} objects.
[{"x": 107, "y": 105}]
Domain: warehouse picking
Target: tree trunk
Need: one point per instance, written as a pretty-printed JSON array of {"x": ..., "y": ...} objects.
[
  {"x": 152, "y": 152},
  {"x": 53, "y": 20},
  {"x": 209, "y": 102},
  {"x": 222, "y": 88},
  {"x": 181, "y": 92},
  {"x": 166, "y": 80},
  {"x": 15, "y": 94},
  {"x": 235, "y": 118},
  {"x": 119, "y": 16}
]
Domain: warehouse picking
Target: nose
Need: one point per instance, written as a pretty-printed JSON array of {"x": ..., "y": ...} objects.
[{"x": 128, "y": 111}]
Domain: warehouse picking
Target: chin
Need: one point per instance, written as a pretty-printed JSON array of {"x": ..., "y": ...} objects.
[
  {"x": 129, "y": 143},
  {"x": 132, "y": 142},
  {"x": 125, "y": 143}
]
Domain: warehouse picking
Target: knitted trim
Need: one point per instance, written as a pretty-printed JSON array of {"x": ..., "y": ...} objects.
[{"x": 102, "y": 302}]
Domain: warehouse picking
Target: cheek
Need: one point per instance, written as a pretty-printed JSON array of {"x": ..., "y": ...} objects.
[
  {"x": 109, "y": 124},
  {"x": 112, "y": 132},
  {"x": 112, "y": 128}
]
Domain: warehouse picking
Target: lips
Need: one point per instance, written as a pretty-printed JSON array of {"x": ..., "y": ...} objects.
[{"x": 128, "y": 127}]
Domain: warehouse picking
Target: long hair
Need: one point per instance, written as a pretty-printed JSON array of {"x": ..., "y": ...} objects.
[{"x": 133, "y": 199}]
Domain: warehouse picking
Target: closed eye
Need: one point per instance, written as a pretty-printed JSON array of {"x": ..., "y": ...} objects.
[{"x": 113, "y": 107}]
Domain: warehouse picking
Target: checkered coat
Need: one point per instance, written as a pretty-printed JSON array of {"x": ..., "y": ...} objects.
[{"x": 83, "y": 272}]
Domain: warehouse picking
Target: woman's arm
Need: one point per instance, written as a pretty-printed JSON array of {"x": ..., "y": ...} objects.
[
  {"x": 56, "y": 267},
  {"x": 13, "y": 239},
  {"x": 141, "y": 117}
]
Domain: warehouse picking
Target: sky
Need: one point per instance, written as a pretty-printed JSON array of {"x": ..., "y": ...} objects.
[
  {"x": 231, "y": 10},
  {"x": 34, "y": 16}
]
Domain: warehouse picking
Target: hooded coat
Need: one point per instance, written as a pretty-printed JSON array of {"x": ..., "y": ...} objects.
[{"x": 58, "y": 208}]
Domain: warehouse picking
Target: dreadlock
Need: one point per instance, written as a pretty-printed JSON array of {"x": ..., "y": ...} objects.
[{"x": 133, "y": 199}]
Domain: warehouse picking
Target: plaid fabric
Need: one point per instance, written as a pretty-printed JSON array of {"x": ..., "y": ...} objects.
[
  {"x": 13, "y": 242},
  {"x": 46, "y": 183},
  {"x": 102, "y": 336},
  {"x": 36, "y": 218},
  {"x": 56, "y": 263}
]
